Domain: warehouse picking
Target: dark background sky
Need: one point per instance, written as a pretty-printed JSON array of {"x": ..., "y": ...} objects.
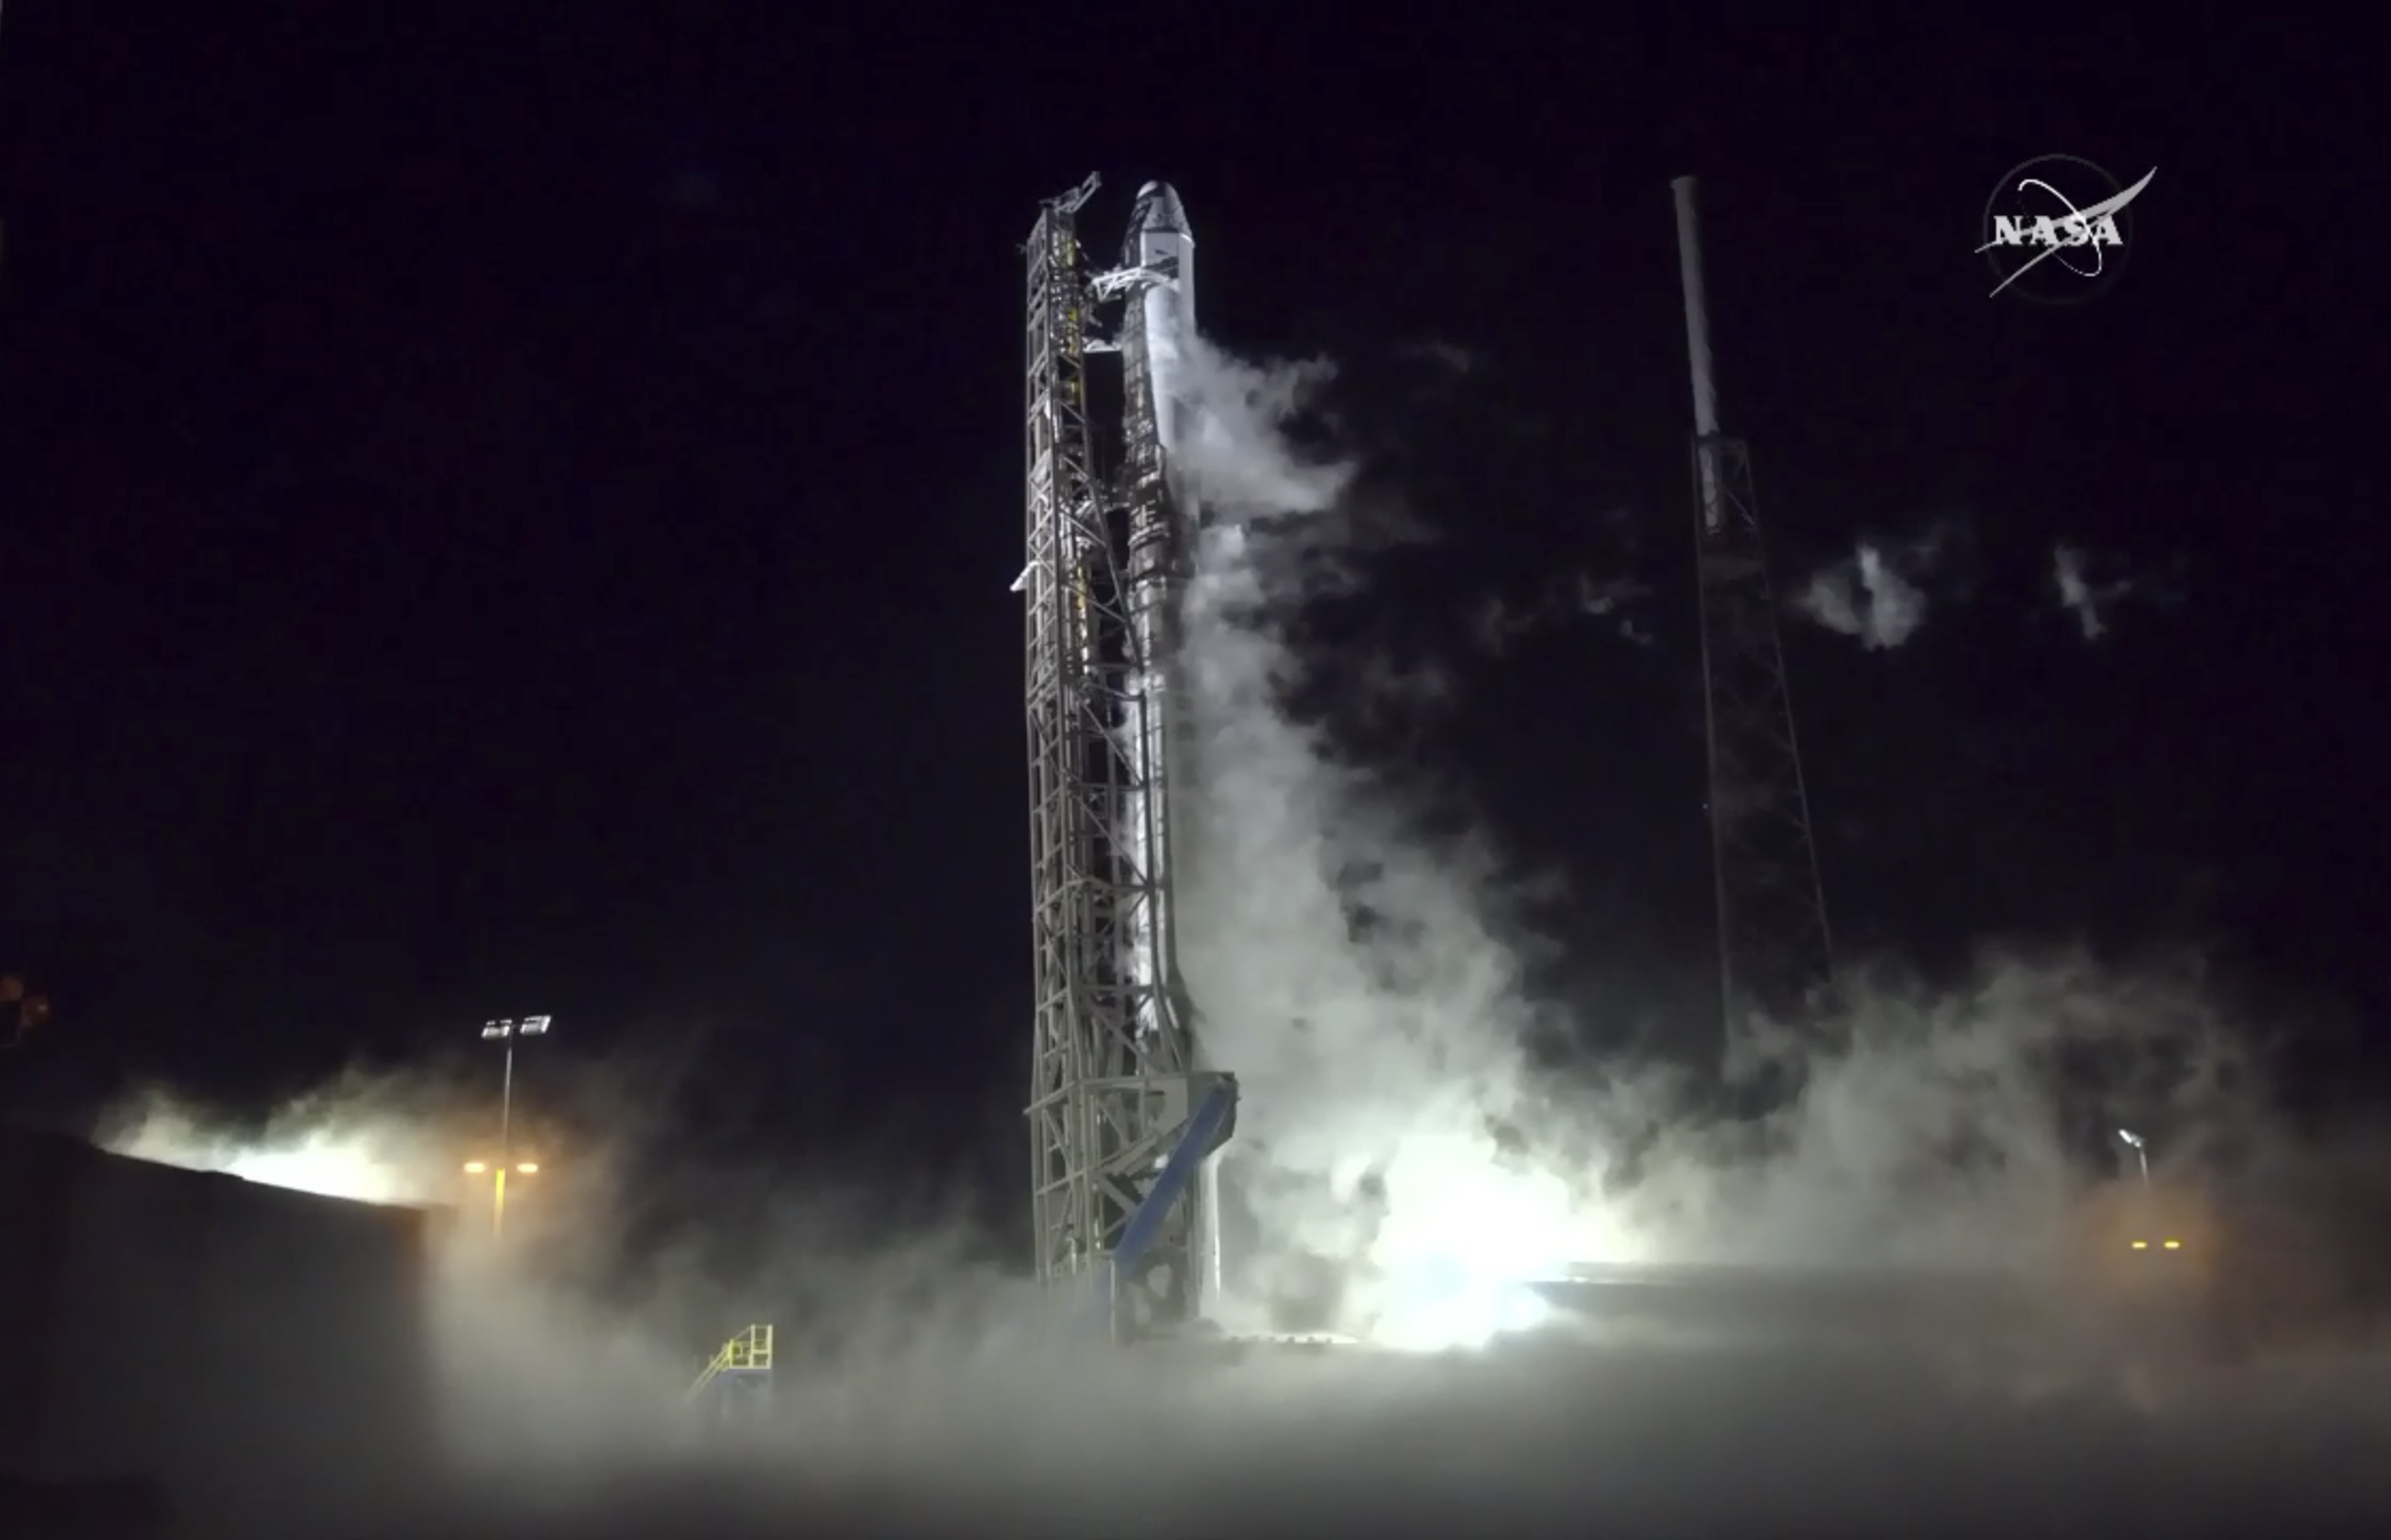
[{"x": 508, "y": 514}]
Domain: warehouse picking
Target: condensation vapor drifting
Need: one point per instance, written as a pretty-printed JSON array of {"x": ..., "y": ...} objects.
[
  {"x": 317, "y": 1144},
  {"x": 1399, "y": 1168},
  {"x": 1344, "y": 969}
]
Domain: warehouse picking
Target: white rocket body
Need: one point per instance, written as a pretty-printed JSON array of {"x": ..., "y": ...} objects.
[
  {"x": 1161, "y": 243},
  {"x": 1158, "y": 341}
]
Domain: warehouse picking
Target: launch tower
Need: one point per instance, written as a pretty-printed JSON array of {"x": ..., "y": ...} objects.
[
  {"x": 1774, "y": 953},
  {"x": 1122, "y": 1123}
]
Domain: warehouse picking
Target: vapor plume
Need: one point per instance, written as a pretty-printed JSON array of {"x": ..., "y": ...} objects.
[
  {"x": 1239, "y": 404},
  {"x": 1405, "y": 1165},
  {"x": 2088, "y": 602},
  {"x": 1965, "y": 1127},
  {"x": 1401, "y": 1168},
  {"x": 1449, "y": 358},
  {"x": 1875, "y": 594},
  {"x": 916, "y": 1392},
  {"x": 371, "y": 1139},
  {"x": 1498, "y": 626},
  {"x": 1339, "y": 962}
]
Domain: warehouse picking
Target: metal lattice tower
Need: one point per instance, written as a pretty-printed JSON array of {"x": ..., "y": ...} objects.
[
  {"x": 1775, "y": 951},
  {"x": 1110, "y": 1084}
]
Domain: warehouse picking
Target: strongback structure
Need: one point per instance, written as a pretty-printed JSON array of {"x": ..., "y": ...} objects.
[
  {"x": 1775, "y": 954},
  {"x": 1115, "y": 1091}
]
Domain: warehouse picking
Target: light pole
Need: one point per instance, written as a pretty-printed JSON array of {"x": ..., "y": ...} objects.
[
  {"x": 496, "y": 1172},
  {"x": 505, "y": 1031}
]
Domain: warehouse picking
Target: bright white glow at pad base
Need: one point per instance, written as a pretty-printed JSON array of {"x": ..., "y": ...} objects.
[
  {"x": 320, "y": 1164},
  {"x": 1463, "y": 1240},
  {"x": 1350, "y": 967},
  {"x": 366, "y": 1164},
  {"x": 1443, "y": 1306},
  {"x": 1460, "y": 1260}
]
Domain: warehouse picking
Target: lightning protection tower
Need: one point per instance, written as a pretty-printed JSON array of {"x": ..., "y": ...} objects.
[
  {"x": 1111, "y": 1094},
  {"x": 1775, "y": 954}
]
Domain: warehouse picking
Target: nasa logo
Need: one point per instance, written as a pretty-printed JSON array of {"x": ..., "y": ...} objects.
[{"x": 2057, "y": 229}]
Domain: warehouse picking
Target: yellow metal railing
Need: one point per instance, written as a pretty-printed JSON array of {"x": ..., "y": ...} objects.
[{"x": 751, "y": 1350}]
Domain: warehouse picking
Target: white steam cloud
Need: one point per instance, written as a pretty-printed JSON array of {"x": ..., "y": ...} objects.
[
  {"x": 1966, "y": 1128},
  {"x": 1402, "y": 1168},
  {"x": 1449, "y": 358},
  {"x": 2088, "y": 602},
  {"x": 1342, "y": 967},
  {"x": 1876, "y": 594},
  {"x": 910, "y": 1397},
  {"x": 1497, "y": 626},
  {"x": 1240, "y": 405},
  {"x": 403, "y": 1153}
]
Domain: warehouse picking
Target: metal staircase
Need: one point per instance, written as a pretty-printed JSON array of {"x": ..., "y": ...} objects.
[{"x": 738, "y": 1383}]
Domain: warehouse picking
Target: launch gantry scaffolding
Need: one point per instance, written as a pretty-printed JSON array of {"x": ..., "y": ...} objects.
[
  {"x": 1774, "y": 952},
  {"x": 1112, "y": 1089}
]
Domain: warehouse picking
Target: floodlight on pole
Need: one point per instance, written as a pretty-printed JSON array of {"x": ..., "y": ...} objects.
[
  {"x": 507, "y": 1030},
  {"x": 2141, "y": 1152}
]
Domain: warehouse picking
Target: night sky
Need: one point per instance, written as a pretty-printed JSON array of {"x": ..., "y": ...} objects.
[{"x": 512, "y": 516}]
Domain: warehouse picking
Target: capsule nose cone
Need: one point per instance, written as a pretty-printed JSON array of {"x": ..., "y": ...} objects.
[{"x": 1158, "y": 209}]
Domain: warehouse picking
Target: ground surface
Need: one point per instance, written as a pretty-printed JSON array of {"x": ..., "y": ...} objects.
[{"x": 1547, "y": 1436}]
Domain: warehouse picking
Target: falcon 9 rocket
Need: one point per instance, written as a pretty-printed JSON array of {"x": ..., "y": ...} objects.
[
  {"x": 1157, "y": 258},
  {"x": 1158, "y": 419}
]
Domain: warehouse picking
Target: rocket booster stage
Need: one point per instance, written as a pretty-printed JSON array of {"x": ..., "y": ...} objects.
[
  {"x": 1158, "y": 421},
  {"x": 1156, "y": 331}
]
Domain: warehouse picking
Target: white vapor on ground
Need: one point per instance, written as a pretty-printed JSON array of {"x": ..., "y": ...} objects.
[
  {"x": 1877, "y": 594},
  {"x": 1403, "y": 1132},
  {"x": 1961, "y": 1128},
  {"x": 370, "y": 1140},
  {"x": 2088, "y": 602},
  {"x": 913, "y": 1399}
]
